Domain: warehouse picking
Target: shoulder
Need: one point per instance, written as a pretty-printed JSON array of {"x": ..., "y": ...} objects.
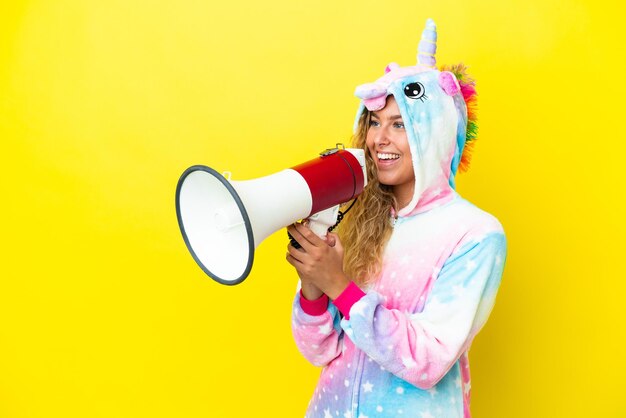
[
  {"x": 475, "y": 229},
  {"x": 475, "y": 221}
]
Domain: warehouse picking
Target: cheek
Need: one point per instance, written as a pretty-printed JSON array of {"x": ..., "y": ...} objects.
[
  {"x": 408, "y": 169},
  {"x": 369, "y": 142},
  {"x": 408, "y": 162},
  {"x": 402, "y": 142}
]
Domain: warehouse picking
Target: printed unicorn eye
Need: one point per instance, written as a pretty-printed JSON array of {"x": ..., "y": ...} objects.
[{"x": 415, "y": 91}]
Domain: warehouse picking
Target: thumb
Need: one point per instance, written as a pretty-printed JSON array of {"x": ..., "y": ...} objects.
[
  {"x": 331, "y": 239},
  {"x": 336, "y": 242}
]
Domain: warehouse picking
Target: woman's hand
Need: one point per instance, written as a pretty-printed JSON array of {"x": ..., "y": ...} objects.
[{"x": 319, "y": 263}]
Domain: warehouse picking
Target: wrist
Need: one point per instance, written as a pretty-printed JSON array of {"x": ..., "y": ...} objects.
[
  {"x": 310, "y": 292},
  {"x": 337, "y": 287}
]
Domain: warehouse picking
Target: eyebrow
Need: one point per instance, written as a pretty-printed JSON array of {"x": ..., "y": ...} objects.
[{"x": 393, "y": 117}]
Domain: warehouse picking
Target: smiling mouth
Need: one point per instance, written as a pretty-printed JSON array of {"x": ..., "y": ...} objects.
[{"x": 387, "y": 156}]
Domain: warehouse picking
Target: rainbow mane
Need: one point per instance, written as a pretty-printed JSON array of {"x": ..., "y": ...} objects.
[{"x": 468, "y": 89}]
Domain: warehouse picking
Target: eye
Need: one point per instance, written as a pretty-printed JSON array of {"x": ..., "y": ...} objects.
[
  {"x": 415, "y": 91},
  {"x": 399, "y": 125},
  {"x": 374, "y": 122}
]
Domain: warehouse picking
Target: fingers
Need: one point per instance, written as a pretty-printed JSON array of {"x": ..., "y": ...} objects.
[
  {"x": 305, "y": 237},
  {"x": 296, "y": 257},
  {"x": 293, "y": 260},
  {"x": 296, "y": 235},
  {"x": 296, "y": 253}
]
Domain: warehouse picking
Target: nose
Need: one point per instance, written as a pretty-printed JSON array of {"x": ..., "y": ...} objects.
[{"x": 382, "y": 137}]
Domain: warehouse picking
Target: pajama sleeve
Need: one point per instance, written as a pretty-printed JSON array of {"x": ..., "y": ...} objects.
[
  {"x": 422, "y": 347},
  {"x": 318, "y": 335}
]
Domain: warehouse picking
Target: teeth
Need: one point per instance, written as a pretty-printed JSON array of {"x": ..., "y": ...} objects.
[{"x": 386, "y": 156}]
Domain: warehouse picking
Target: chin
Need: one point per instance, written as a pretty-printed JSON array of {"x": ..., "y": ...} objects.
[{"x": 387, "y": 181}]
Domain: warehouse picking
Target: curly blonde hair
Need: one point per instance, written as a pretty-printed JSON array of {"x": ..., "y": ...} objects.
[{"x": 367, "y": 228}]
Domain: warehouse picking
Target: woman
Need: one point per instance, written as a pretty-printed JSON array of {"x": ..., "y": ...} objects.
[{"x": 393, "y": 320}]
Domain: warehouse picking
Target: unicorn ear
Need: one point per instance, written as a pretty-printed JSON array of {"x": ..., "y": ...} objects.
[
  {"x": 449, "y": 83},
  {"x": 392, "y": 66},
  {"x": 374, "y": 96},
  {"x": 370, "y": 91}
]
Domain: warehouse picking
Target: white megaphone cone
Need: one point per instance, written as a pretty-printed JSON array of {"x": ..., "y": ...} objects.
[{"x": 223, "y": 221}]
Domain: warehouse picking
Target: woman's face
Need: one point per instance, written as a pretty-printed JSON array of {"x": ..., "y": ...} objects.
[{"x": 389, "y": 147}]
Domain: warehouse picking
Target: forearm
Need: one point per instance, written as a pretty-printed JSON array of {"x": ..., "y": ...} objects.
[
  {"x": 424, "y": 345},
  {"x": 317, "y": 334}
]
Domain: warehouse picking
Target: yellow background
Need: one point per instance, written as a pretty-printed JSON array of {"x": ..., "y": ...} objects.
[{"x": 103, "y": 312}]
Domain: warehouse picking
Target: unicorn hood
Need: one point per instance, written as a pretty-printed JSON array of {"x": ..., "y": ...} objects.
[{"x": 434, "y": 108}]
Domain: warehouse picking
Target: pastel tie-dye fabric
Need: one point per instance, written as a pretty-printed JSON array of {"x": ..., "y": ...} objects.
[
  {"x": 404, "y": 349},
  {"x": 403, "y": 352}
]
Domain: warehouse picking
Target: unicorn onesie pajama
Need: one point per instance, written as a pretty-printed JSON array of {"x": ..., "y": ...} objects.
[{"x": 400, "y": 347}]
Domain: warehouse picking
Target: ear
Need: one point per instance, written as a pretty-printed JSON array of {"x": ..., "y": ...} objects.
[{"x": 449, "y": 83}]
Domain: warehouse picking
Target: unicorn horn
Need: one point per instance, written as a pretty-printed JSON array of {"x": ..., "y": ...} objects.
[{"x": 428, "y": 45}]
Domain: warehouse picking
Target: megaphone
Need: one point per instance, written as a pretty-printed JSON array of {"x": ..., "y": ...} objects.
[{"x": 223, "y": 221}]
